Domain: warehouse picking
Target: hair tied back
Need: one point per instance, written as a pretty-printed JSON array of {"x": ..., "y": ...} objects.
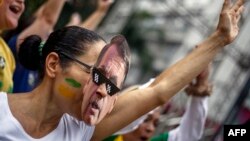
[{"x": 40, "y": 49}]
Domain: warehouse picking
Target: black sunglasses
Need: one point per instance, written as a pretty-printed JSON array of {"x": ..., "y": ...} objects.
[
  {"x": 98, "y": 78},
  {"x": 88, "y": 67}
]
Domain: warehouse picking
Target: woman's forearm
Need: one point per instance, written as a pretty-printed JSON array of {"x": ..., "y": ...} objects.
[{"x": 173, "y": 79}]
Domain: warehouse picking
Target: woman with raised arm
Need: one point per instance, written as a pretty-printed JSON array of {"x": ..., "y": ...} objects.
[{"x": 78, "y": 90}]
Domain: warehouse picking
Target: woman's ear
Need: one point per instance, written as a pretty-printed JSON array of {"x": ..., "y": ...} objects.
[{"x": 52, "y": 64}]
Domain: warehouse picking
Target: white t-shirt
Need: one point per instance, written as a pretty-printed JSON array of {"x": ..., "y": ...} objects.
[
  {"x": 193, "y": 122},
  {"x": 68, "y": 129}
]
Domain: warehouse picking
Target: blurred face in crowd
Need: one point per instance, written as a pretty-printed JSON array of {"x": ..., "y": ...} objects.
[
  {"x": 146, "y": 129},
  {"x": 10, "y": 12},
  {"x": 101, "y": 90}
]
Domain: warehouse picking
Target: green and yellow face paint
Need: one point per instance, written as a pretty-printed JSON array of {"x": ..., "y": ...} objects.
[
  {"x": 67, "y": 91},
  {"x": 73, "y": 83}
]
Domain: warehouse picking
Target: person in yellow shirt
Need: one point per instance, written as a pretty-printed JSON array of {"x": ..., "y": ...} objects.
[
  {"x": 10, "y": 12},
  {"x": 7, "y": 66}
]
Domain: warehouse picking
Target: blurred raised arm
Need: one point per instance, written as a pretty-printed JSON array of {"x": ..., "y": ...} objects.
[
  {"x": 45, "y": 19},
  {"x": 95, "y": 18}
]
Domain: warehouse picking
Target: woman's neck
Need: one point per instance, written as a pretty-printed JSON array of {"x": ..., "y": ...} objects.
[{"x": 36, "y": 110}]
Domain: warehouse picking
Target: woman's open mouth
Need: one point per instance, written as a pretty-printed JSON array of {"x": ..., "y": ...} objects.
[{"x": 15, "y": 9}]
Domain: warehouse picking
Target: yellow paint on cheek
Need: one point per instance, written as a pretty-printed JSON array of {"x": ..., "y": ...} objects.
[{"x": 65, "y": 91}]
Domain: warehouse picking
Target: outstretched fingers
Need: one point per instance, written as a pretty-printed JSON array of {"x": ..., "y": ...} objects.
[
  {"x": 236, "y": 12},
  {"x": 239, "y": 12},
  {"x": 238, "y": 5},
  {"x": 226, "y": 5},
  {"x": 238, "y": 8},
  {"x": 229, "y": 18}
]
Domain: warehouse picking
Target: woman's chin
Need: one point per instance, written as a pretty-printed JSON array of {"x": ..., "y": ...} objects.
[{"x": 12, "y": 22}]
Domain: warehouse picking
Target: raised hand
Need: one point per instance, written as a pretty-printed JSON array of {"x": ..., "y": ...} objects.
[
  {"x": 229, "y": 18},
  {"x": 201, "y": 87},
  {"x": 103, "y": 5},
  {"x": 75, "y": 19}
]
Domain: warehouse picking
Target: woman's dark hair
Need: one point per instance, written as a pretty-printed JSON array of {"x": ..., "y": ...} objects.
[{"x": 72, "y": 40}]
